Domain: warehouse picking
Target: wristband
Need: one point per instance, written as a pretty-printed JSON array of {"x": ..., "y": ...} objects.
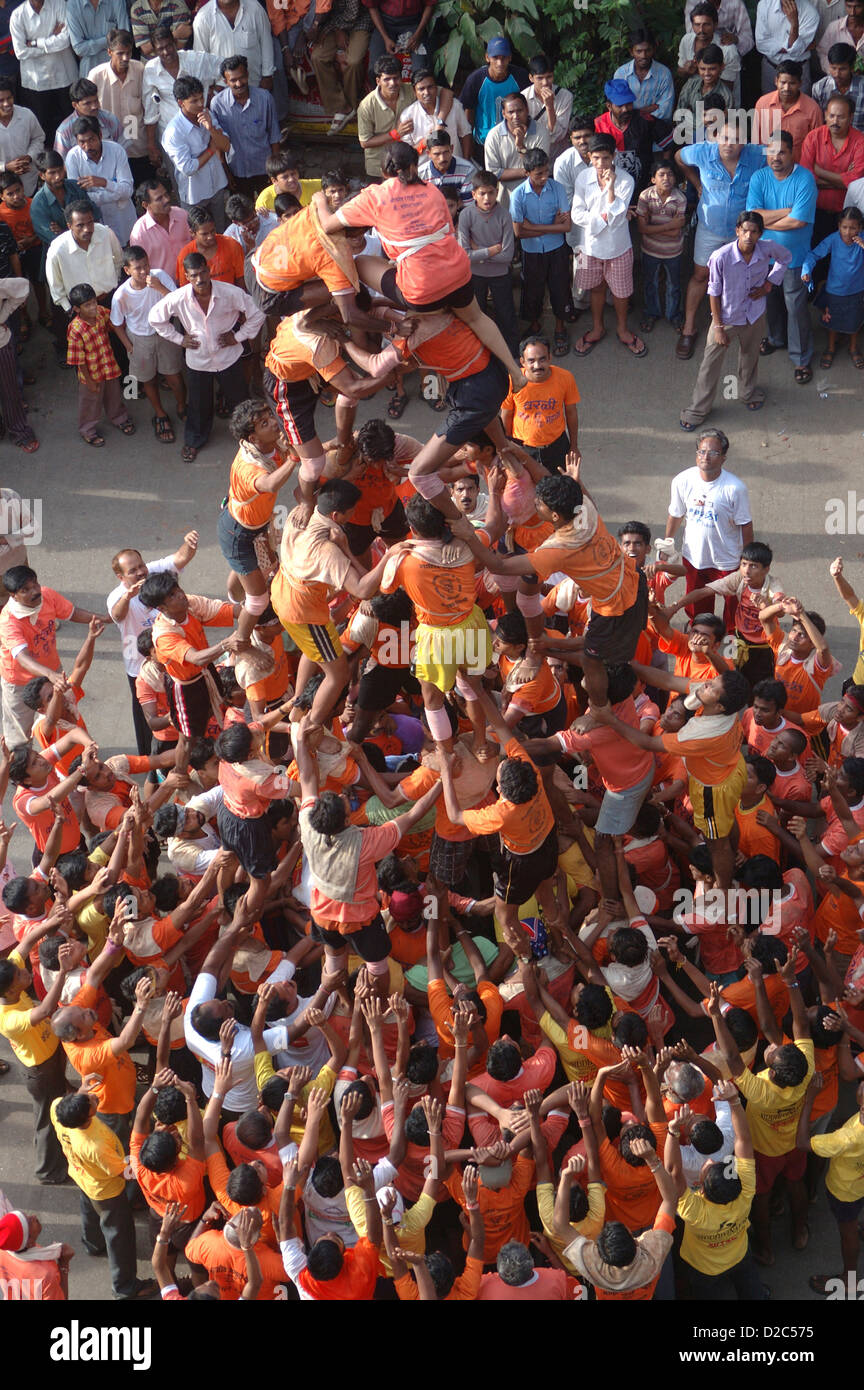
[
  {"x": 370, "y": 1199},
  {"x": 155, "y": 1090},
  {"x": 386, "y": 1220},
  {"x": 394, "y": 134},
  {"x": 163, "y": 1240},
  {"x": 472, "y": 1206},
  {"x": 111, "y": 946}
]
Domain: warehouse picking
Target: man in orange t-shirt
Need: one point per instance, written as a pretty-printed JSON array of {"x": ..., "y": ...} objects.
[
  {"x": 543, "y": 415},
  {"x": 330, "y": 1272},
  {"x": 710, "y": 746},
  {"x": 160, "y": 1172}
]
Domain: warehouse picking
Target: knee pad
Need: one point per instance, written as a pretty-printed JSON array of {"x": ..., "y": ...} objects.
[
  {"x": 256, "y": 603},
  {"x": 311, "y": 469},
  {"x": 529, "y": 605},
  {"x": 439, "y": 724},
  {"x": 465, "y": 688},
  {"x": 379, "y": 967},
  {"x": 428, "y": 485}
]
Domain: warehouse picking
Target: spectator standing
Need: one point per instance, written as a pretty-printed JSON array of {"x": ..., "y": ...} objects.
[
  {"x": 43, "y": 47},
  {"x": 120, "y": 85},
  {"x": 89, "y": 27},
  {"x": 247, "y": 115}
]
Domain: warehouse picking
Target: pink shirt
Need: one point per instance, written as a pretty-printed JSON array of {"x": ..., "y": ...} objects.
[
  {"x": 378, "y": 841},
  {"x": 620, "y": 764},
  {"x": 38, "y": 639},
  {"x": 162, "y": 247}
]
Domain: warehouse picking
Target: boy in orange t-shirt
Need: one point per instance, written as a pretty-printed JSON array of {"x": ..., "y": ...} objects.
[{"x": 754, "y": 835}]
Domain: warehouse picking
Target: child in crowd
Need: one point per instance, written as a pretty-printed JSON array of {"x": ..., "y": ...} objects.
[
  {"x": 284, "y": 175},
  {"x": 99, "y": 389},
  {"x": 15, "y": 212},
  {"x": 843, "y": 295},
  {"x": 150, "y": 355},
  {"x": 485, "y": 231},
  {"x": 661, "y": 213}
]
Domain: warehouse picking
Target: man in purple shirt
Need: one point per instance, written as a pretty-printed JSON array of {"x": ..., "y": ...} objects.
[{"x": 740, "y": 277}]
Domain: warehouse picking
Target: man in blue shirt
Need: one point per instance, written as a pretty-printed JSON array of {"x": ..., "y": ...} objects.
[
  {"x": 485, "y": 89},
  {"x": 720, "y": 170},
  {"x": 541, "y": 219},
  {"x": 248, "y": 117},
  {"x": 652, "y": 84},
  {"x": 89, "y": 25},
  {"x": 785, "y": 195}
]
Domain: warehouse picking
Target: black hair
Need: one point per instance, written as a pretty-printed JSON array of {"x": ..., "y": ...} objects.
[
  {"x": 148, "y": 186},
  {"x": 561, "y": 494},
  {"x": 770, "y": 952},
  {"x": 254, "y": 1129},
  {"x": 328, "y": 815},
  {"x": 81, "y": 294},
  {"x": 272, "y": 1093},
  {"x": 763, "y": 768},
  {"x": 234, "y": 744},
  {"x": 593, "y": 1008},
  {"x": 376, "y": 441},
  {"x": 244, "y": 1185},
  {"x": 157, "y": 587},
  {"x": 631, "y": 1132},
  {"x": 631, "y": 1029},
  {"x": 31, "y": 693},
  {"x": 238, "y": 207},
  {"x": 422, "y": 1065},
  {"x": 391, "y": 874},
  {"x": 517, "y": 780},
  {"x": 367, "y": 1102},
  {"x": 73, "y": 1111},
  {"x": 15, "y": 894},
  {"x": 200, "y": 753},
  {"x": 758, "y": 552},
  {"x": 615, "y": 1245},
  {"x": 736, "y": 692},
  {"x": 503, "y": 1060},
  {"x": 760, "y": 871},
  {"x": 86, "y": 125},
  {"x": 18, "y": 760},
  {"x": 580, "y": 122},
  {"x": 337, "y": 495},
  {"x": 118, "y": 892},
  {"x": 84, "y": 208},
  {"x": 7, "y": 178},
  {"x": 709, "y": 620},
  {"x": 602, "y": 144},
  {"x": 8, "y": 971},
  {"x": 159, "y": 1151},
  {"x": 711, "y": 54},
  {"x": 773, "y": 691},
  {"x": 441, "y": 1272},
  {"x": 395, "y": 608},
  {"x": 165, "y": 821},
  {"x": 853, "y": 771},
  {"x": 186, "y": 87},
  {"x": 417, "y": 1127},
  {"x": 400, "y": 162},
  {"x": 198, "y": 217},
  {"x": 425, "y": 519},
  {"x": 622, "y": 683},
  {"x": 628, "y": 946},
  {"x": 237, "y": 60},
  {"x": 325, "y": 1259},
  {"x": 334, "y": 178},
  {"x": 326, "y": 1177},
  {"x": 789, "y": 68},
  {"x": 82, "y": 88},
  {"x": 706, "y": 1136},
  {"x": 742, "y": 1027},
  {"x": 119, "y": 38},
  {"x": 484, "y": 178},
  {"x": 719, "y": 1186},
  {"x": 535, "y": 158},
  {"x": 635, "y": 528},
  {"x": 194, "y": 262},
  {"x": 511, "y": 628},
  {"x": 49, "y": 159},
  {"x": 648, "y": 821},
  {"x": 841, "y": 54},
  {"x": 170, "y": 1106},
  {"x": 749, "y": 215},
  {"x": 166, "y": 893},
  {"x": 788, "y": 1065}
]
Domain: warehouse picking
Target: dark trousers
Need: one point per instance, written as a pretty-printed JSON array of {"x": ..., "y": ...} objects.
[
  {"x": 552, "y": 456},
  {"x": 50, "y": 108},
  {"x": 143, "y": 736},
  {"x": 652, "y": 266},
  {"x": 11, "y": 401},
  {"x": 108, "y": 1227},
  {"x": 744, "y": 1278},
  {"x": 46, "y": 1083},
  {"x": 499, "y": 288},
  {"x": 758, "y": 665},
  {"x": 199, "y": 421},
  {"x": 250, "y": 184},
  {"x": 542, "y": 271},
  {"x": 121, "y": 1126},
  {"x": 141, "y": 169}
]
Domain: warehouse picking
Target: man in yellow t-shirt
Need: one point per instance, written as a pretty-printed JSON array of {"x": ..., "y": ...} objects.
[
  {"x": 98, "y": 1165},
  {"x": 25, "y": 1023},
  {"x": 844, "y": 1181},
  {"x": 856, "y": 610},
  {"x": 716, "y": 1219},
  {"x": 775, "y": 1099}
]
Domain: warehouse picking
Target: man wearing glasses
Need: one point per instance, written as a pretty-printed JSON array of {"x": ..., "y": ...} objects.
[{"x": 714, "y": 507}]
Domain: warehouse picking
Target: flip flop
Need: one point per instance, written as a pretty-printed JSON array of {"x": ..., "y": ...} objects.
[
  {"x": 857, "y": 361},
  {"x": 641, "y": 351},
  {"x": 826, "y": 360},
  {"x": 804, "y": 374},
  {"x": 586, "y": 345},
  {"x": 561, "y": 345},
  {"x": 188, "y": 454},
  {"x": 685, "y": 425},
  {"x": 96, "y": 441},
  {"x": 396, "y": 408},
  {"x": 755, "y": 405}
]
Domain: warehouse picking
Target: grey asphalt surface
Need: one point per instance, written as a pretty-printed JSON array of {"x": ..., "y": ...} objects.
[{"x": 796, "y": 455}]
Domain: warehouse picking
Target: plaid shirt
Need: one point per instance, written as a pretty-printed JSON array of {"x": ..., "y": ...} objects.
[
  {"x": 144, "y": 19},
  {"x": 824, "y": 89},
  {"x": 89, "y": 348}
]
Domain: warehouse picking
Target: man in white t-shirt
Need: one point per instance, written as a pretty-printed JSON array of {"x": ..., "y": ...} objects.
[
  {"x": 131, "y": 617},
  {"x": 715, "y": 508}
]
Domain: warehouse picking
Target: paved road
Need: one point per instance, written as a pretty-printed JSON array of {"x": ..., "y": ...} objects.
[{"x": 796, "y": 455}]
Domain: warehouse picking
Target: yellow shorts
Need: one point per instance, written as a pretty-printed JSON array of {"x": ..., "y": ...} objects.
[
  {"x": 714, "y": 807},
  {"x": 442, "y": 651},
  {"x": 319, "y": 641}
]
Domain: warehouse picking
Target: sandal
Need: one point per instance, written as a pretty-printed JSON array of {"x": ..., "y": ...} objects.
[
  {"x": 587, "y": 345},
  {"x": 766, "y": 347},
  {"x": 640, "y": 351},
  {"x": 30, "y": 447},
  {"x": 162, "y": 429},
  {"x": 126, "y": 428},
  {"x": 188, "y": 453},
  {"x": 561, "y": 345},
  {"x": 755, "y": 405},
  {"x": 826, "y": 360},
  {"x": 686, "y": 425},
  {"x": 685, "y": 347},
  {"x": 646, "y": 325},
  {"x": 396, "y": 408},
  {"x": 857, "y": 361},
  {"x": 96, "y": 441},
  {"x": 439, "y": 406},
  {"x": 804, "y": 374}
]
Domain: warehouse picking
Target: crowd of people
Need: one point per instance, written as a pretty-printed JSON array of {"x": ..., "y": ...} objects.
[{"x": 478, "y": 931}]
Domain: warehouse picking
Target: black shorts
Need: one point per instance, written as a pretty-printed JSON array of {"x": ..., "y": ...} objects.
[
  {"x": 613, "y": 640},
  {"x": 394, "y": 527},
  {"x": 295, "y": 405},
  {"x": 281, "y": 302},
  {"x": 552, "y": 456},
  {"x": 542, "y": 725},
  {"x": 189, "y": 706},
  {"x": 237, "y": 543},
  {"x": 250, "y": 839},
  {"x": 474, "y": 402},
  {"x": 381, "y": 685},
  {"x": 371, "y": 942},
  {"x": 518, "y": 876},
  {"x": 459, "y": 298}
]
